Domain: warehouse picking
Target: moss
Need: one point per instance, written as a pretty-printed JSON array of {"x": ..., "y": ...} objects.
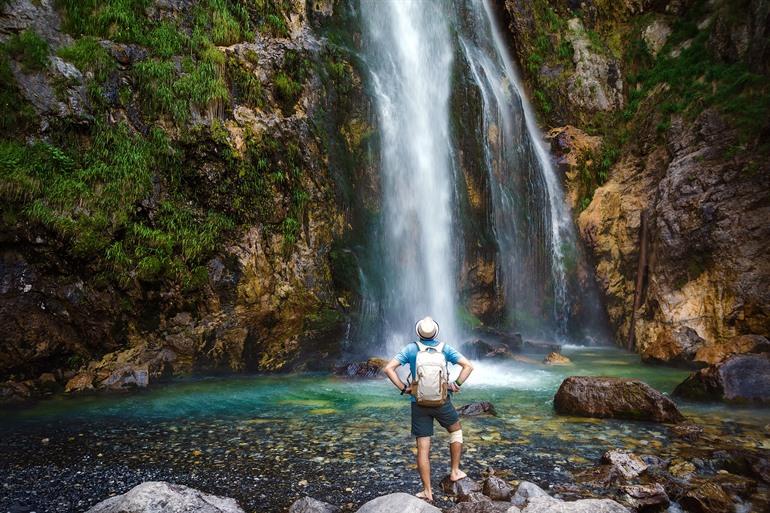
[{"x": 29, "y": 49}]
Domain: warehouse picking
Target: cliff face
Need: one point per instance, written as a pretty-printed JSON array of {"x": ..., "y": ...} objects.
[
  {"x": 666, "y": 106},
  {"x": 168, "y": 200}
]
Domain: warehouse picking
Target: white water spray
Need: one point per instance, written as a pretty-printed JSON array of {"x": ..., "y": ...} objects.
[{"x": 411, "y": 62}]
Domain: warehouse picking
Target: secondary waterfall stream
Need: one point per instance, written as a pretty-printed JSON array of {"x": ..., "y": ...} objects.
[{"x": 417, "y": 51}]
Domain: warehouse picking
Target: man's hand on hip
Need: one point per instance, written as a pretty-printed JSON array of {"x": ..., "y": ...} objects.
[{"x": 453, "y": 387}]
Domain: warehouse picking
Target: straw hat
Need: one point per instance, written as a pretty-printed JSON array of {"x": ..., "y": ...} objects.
[{"x": 426, "y": 328}]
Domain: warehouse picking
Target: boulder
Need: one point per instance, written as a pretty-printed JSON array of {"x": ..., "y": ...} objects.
[
  {"x": 12, "y": 392},
  {"x": 550, "y": 505},
  {"x": 497, "y": 489},
  {"x": 677, "y": 346},
  {"x": 608, "y": 397},
  {"x": 81, "y": 381},
  {"x": 525, "y": 492},
  {"x": 707, "y": 498},
  {"x": 486, "y": 506},
  {"x": 311, "y": 505},
  {"x": 398, "y": 503},
  {"x": 162, "y": 497},
  {"x": 712, "y": 354},
  {"x": 627, "y": 464},
  {"x": 554, "y": 358},
  {"x": 650, "y": 497},
  {"x": 476, "y": 349},
  {"x": 371, "y": 368},
  {"x": 476, "y": 409},
  {"x": 460, "y": 488},
  {"x": 741, "y": 379}
]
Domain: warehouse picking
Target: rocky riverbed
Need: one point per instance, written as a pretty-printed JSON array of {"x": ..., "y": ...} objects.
[{"x": 267, "y": 441}]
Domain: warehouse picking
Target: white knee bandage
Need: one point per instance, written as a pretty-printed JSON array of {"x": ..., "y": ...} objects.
[{"x": 456, "y": 436}]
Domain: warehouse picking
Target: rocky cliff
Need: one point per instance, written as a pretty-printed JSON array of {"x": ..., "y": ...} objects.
[
  {"x": 169, "y": 202},
  {"x": 661, "y": 112}
]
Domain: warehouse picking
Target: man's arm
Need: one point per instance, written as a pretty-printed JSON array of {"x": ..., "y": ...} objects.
[
  {"x": 467, "y": 368},
  {"x": 390, "y": 372}
]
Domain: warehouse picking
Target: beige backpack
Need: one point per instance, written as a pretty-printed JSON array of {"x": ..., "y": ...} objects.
[{"x": 431, "y": 375}]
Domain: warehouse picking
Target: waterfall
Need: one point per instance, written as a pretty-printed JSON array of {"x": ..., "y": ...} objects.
[
  {"x": 532, "y": 224},
  {"x": 417, "y": 52},
  {"x": 411, "y": 57}
]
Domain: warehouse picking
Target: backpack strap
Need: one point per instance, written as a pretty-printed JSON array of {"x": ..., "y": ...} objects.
[
  {"x": 439, "y": 347},
  {"x": 421, "y": 346}
]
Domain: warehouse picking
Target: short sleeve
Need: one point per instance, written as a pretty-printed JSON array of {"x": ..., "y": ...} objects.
[
  {"x": 403, "y": 355},
  {"x": 452, "y": 354}
]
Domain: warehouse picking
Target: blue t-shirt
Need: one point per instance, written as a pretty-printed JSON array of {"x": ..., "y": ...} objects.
[{"x": 408, "y": 355}]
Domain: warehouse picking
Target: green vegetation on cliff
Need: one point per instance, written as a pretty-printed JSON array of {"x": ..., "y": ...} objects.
[
  {"x": 126, "y": 198},
  {"x": 698, "y": 66}
]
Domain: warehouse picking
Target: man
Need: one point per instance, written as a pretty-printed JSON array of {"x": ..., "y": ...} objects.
[{"x": 423, "y": 416}]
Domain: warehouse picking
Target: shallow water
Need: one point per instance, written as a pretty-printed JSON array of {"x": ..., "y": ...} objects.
[{"x": 268, "y": 440}]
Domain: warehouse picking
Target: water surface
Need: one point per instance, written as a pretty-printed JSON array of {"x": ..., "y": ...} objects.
[{"x": 267, "y": 440}]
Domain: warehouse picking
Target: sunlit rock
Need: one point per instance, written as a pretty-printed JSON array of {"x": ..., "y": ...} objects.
[
  {"x": 162, "y": 497},
  {"x": 554, "y": 358},
  {"x": 627, "y": 464},
  {"x": 398, "y": 503},
  {"x": 311, "y": 505}
]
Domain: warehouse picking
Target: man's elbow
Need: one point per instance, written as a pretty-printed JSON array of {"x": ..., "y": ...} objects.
[{"x": 468, "y": 365}]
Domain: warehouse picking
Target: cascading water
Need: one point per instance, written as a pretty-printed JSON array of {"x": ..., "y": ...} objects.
[
  {"x": 417, "y": 52},
  {"x": 411, "y": 56},
  {"x": 531, "y": 222}
]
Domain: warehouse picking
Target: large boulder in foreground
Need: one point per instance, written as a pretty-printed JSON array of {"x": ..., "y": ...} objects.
[
  {"x": 162, "y": 497},
  {"x": 311, "y": 505},
  {"x": 620, "y": 398},
  {"x": 398, "y": 503},
  {"x": 530, "y": 498},
  {"x": 741, "y": 378}
]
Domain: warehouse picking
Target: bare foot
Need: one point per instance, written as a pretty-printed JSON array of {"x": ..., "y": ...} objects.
[
  {"x": 425, "y": 495},
  {"x": 456, "y": 476}
]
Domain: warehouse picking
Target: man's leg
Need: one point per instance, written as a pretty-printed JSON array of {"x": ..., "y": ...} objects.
[
  {"x": 455, "y": 451},
  {"x": 423, "y": 466}
]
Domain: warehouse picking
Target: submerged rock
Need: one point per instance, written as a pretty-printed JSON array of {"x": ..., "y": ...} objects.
[
  {"x": 554, "y": 358},
  {"x": 607, "y": 397},
  {"x": 476, "y": 409},
  {"x": 707, "y": 498},
  {"x": 371, "y": 368},
  {"x": 162, "y": 497},
  {"x": 741, "y": 378},
  {"x": 398, "y": 503},
  {"x": 687, "y": 431},
  {"x": 311, "y": 505}
]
